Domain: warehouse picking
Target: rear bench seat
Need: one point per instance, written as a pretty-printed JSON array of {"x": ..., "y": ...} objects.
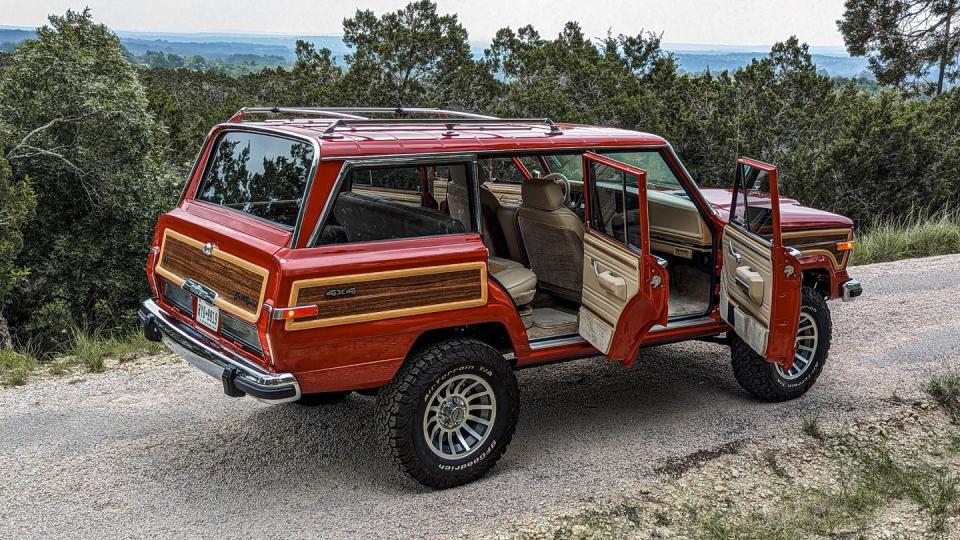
[{"x": 366, "y": 217}]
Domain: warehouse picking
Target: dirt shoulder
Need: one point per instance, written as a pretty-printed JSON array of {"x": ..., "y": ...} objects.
[{"x": 890, "y": 476}]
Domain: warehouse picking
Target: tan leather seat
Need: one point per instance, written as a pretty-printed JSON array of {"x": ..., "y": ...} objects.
[
  {"x": 520, "y": 282},
  {"x": 553, "y": 237}
]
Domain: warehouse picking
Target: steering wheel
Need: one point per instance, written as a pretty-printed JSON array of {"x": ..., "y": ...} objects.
[{"x": 565, "y": 183}]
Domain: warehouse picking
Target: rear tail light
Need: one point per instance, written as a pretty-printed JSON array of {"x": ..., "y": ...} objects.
[
  {"x": 244, "y": 333},
  {"x": 296, "y": 312},
  {"x": 151, "y": 264}
]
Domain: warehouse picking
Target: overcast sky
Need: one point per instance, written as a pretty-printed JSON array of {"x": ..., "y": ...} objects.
[{"x": 725, "y": 22}]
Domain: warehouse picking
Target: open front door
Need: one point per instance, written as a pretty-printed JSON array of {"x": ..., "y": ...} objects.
[
  {"x": 760, "y": 280},
  {"x": 624, "y": 285}
]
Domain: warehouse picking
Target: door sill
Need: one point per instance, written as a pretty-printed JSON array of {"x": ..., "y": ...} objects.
[
  {"x": 555, "y": 341},
  {"x": 681, "y": 324}
]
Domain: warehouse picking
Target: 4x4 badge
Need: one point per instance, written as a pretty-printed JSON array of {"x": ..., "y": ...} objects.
[
  {"x": 336, "y": 293},
  {"x": 208, "y": 249}
]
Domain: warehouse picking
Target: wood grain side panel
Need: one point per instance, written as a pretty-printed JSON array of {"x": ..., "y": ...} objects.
[
  {"x": 821, "y": 243},
  {"x": 239, "y": 284},
  {"x": 383, "y": 295}
]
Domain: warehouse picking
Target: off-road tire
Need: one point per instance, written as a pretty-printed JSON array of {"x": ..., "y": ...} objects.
[
  {"x": 402, "y": 404},
  {"x": 762, "y": 379},
  {"x": 323, "y": 398}
]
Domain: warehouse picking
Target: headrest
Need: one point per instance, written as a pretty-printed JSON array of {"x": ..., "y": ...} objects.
[{"x": 542, "y": 194}]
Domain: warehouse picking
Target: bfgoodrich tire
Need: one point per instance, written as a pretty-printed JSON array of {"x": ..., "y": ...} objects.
[
  {"x": 449, "y": 413},
  {"x": 769, "y": 381}
]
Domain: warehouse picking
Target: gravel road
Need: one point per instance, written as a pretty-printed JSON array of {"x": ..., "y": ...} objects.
[{"x": 158, "y": 450}]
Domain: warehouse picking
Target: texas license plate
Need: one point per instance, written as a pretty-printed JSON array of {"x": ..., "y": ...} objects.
[{"x": 208, "y": 315}]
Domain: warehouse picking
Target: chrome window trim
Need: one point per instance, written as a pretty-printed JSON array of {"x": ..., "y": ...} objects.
[{"x": 350, "y": 164}]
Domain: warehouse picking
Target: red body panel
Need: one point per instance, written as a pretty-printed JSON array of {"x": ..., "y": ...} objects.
[{"x": 367, "y": 354}]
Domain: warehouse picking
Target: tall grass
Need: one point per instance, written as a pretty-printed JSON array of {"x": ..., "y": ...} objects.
[
  {"x": 15, "y": 367},
  {"x": 912, "y": 236},
  {"x": 91, "y": 348},
  {"x": 88, "y": 347}
]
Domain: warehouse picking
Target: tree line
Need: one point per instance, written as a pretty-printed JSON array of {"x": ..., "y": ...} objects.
[{"x": 93, "y": 148}]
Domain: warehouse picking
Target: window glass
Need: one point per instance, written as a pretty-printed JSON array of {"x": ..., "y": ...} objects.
[
  {"x": 261, "y": 175},
  {"x": 659, "y": 175},
  {"x": 615, "y": 204},
  {"x": 387, "y": 203},
  {"x": 752, "y": 209},
  {"x": 502, "y": 170},
  {"x": 531, "y": 163},
  {"x": 569, "y": 165}
]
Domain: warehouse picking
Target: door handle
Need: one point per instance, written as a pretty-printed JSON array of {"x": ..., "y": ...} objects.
[
  {"x": 733, "y": 251},
  {"x": 613, "y": 283}
]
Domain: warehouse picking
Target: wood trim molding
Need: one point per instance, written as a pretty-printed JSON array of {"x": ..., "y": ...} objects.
[
  {"x": 399, "y": 293},
  {"x": 791, "y": 238},
  {"x": 221, "y": 301}
]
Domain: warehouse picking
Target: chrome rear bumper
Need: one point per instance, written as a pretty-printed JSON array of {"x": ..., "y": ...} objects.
[{"x": 239, "y": 376}]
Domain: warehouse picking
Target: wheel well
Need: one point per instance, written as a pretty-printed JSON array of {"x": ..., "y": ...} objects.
[
  {"x": 817, "y": 279},
  {"x": 492, "y": 333}
]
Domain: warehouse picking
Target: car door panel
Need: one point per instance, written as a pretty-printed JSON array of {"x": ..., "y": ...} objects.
[
  {"x": 760, "y": 281},
  {"x": 624, "y": 288}
]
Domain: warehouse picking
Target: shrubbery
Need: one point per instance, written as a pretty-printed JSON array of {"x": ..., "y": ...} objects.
[{"x": 97, "y": 148}]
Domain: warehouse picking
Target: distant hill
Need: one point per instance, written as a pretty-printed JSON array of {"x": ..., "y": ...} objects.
[{"x": 692, "y": 58}]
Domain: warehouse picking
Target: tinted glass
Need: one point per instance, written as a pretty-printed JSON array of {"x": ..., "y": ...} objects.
[{"x": 261, "y": 175}]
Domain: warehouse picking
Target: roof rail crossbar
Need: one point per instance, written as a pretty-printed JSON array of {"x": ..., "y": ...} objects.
[
  {"x": 406, "y": 111},
  {"x": 238, "y": 116},
  {"x": 450, "y": 123}
]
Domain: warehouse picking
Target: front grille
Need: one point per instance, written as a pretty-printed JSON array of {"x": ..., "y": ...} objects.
[
  {"x": 178, "y": 297},
  {"x": 243, "y": 333}
]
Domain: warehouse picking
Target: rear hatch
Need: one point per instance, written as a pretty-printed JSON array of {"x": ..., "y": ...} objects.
[{"x": 213, "y": 259}]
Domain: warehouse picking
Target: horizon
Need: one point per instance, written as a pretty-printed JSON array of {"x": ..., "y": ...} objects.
[
  {"x": 701, "y": 46},
  {"x": 683, "y": 22}
]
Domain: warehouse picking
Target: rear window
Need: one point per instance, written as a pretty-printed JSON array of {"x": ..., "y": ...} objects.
[{"x": 261, "y": 175}]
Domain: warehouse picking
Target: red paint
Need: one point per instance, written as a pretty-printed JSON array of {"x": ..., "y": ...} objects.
[{"x": 366, "y": 355}]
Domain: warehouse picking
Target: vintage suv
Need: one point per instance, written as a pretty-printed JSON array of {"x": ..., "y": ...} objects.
[{"x": 424, "y": 255}]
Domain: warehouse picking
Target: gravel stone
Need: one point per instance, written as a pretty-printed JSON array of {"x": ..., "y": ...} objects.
[{"x": 156, "y": 449}]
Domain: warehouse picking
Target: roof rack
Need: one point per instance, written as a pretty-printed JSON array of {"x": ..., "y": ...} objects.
[
  {"x": 449, "y": 123},
  {"x": 353, "y": 116},
  {"x": 305, "y": 111}
]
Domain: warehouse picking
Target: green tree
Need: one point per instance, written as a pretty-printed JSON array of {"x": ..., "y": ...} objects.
[
  {"x": 905, "y": 40},
  {"x": 79, "y": 128},
  {"x": 409, "y": 57},
  {"x": 314, "y": 78},
  {"x": 17, "y": 203}
]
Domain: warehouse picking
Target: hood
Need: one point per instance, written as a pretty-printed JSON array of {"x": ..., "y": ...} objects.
[{"x": 793, "y": 215}]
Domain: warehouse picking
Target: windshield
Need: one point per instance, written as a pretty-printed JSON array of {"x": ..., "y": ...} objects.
[{"x": 659, "y": 175}]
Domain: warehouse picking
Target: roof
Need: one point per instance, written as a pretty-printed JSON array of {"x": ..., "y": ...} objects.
[{"x": 343, "y": 133}]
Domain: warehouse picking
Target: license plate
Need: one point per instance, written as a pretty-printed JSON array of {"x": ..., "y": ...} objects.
[{"x": 208, "y": 315}]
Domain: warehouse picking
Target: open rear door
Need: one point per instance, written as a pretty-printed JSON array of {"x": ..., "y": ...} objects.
[
  {"x": 624, "y": 285},
  {"x": 760, "y": 280}
]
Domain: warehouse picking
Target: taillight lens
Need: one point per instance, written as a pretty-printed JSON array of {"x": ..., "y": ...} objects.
[{"x": 296, "y": 312}]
